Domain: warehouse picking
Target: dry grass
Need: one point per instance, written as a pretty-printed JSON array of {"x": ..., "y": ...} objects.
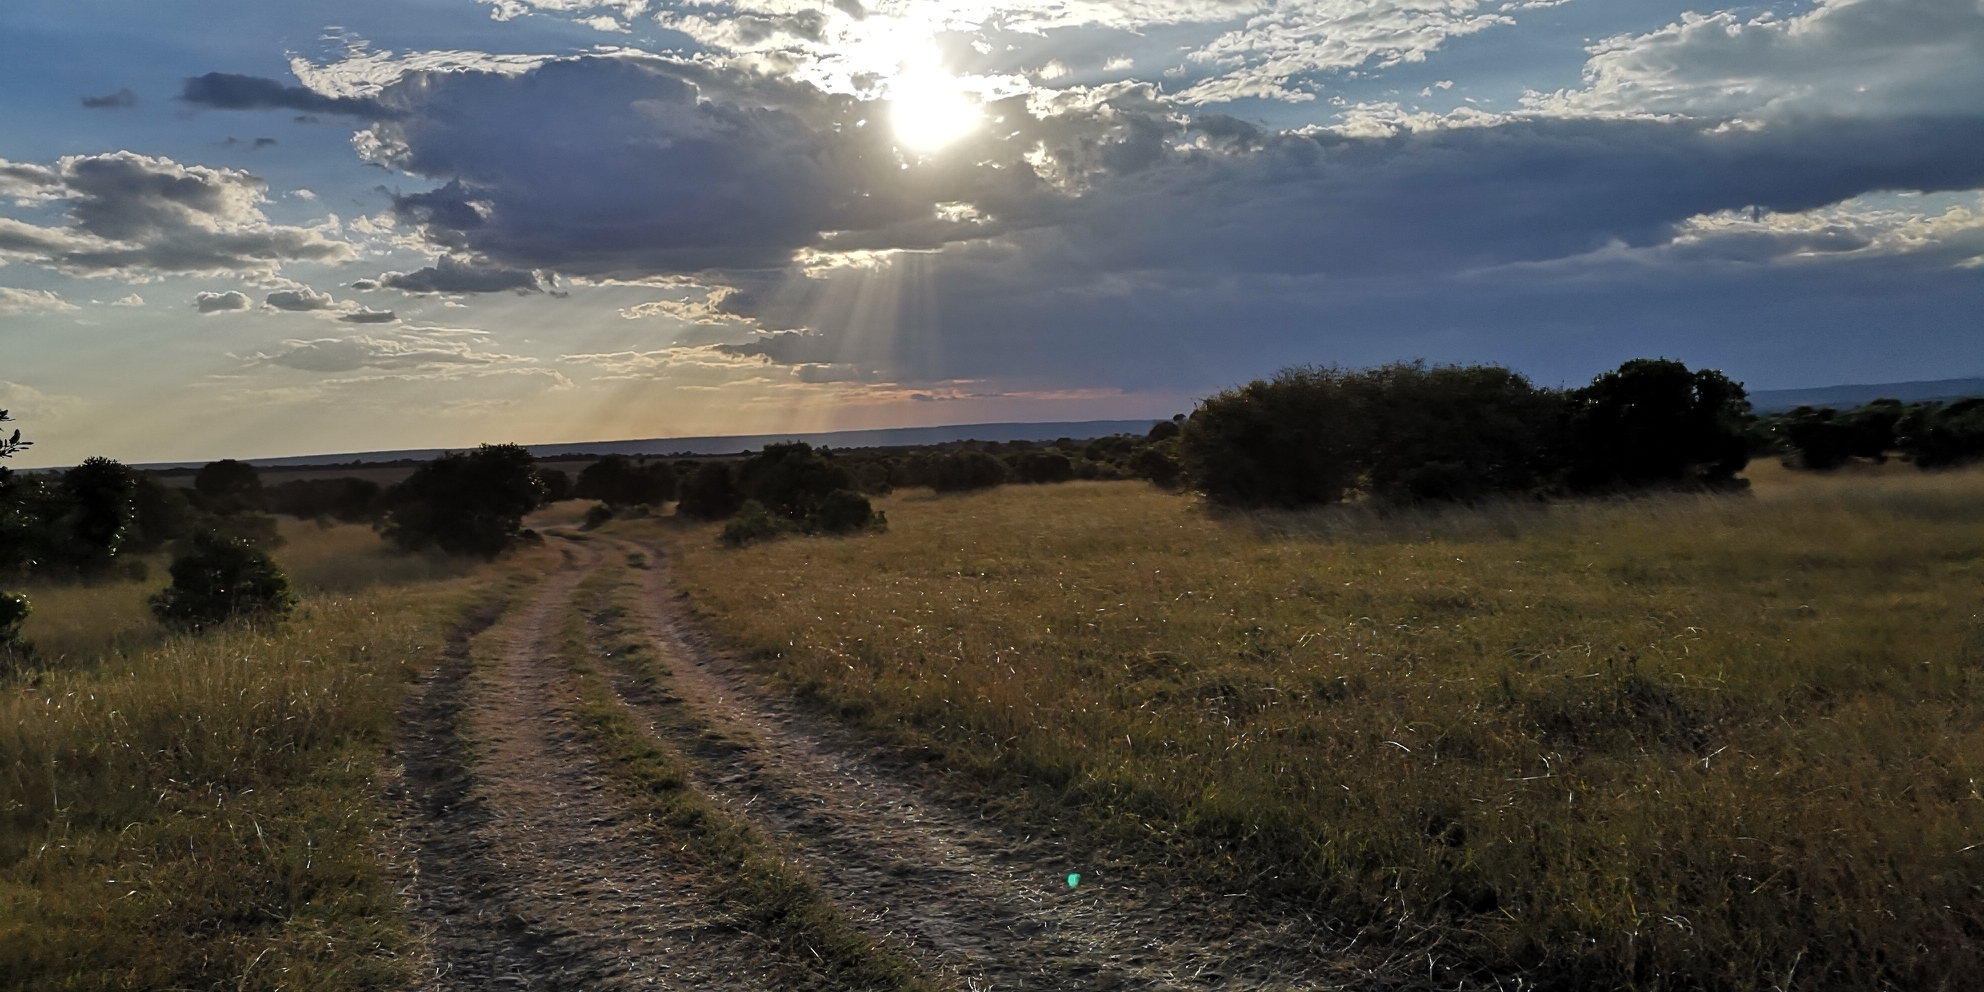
[
  {"x": 181, "y": 812},
  {"x": 1723, "y": 742}
]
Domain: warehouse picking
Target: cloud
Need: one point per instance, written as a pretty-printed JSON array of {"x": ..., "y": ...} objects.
[
  {"x": 29, "y": 403},
  {"x": 1841, "y": 58},
  {"x": 359, "y": 351},
  {"x": 26, "y": 301},
  {"x": 221, "y": 302},
  {"x": 132, "y": 300},
  {"x": 300, "y": 298},
  {"x": 368, "y": 317},
  {"x": 449, "y": 273},
  {"x": 132, "y": 214},
  {"x": 112, "y": 101},
  {"x": 231, "y": 91}
]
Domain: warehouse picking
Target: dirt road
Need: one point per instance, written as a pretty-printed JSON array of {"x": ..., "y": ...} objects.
[{"x": 533, "y": 874}]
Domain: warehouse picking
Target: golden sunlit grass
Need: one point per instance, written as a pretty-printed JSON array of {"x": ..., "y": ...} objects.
[
  {"x": 201, "y": 812},
  {"x": 1680, "y": 741}
]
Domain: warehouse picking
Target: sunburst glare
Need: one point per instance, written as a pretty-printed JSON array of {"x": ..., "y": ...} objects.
[{"x": 930, "y": 110}]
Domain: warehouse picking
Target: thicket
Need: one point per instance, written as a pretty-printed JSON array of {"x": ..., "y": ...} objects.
[
  {"x": 1409, "y": 433},
  {"x": 617, "y": 480},
  {"x": 1931, "y": 435}
]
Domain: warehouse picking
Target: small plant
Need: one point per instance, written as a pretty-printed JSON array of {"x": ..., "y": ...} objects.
[
  {"x": 598, "y": 514},
  {"x": 221, "y": 578}
]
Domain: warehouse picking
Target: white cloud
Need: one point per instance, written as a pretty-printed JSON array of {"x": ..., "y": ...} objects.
[
  {"x": 431, "y": 350},
  {"x": 134, "y": 215},
  {"x": 221, "y": 302},
  {"x": 133, "y": 300},
  {"x": 25, "y": 301},
  {"x": 300, "y": 298},
  {"x": 1842, "y": 58}
]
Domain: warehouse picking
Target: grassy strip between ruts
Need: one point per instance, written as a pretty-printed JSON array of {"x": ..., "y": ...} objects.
[
  {"x": 202, "y": 812},
  {"x": 815, "y": 944},
  {"x": 1683, "y": 742}
]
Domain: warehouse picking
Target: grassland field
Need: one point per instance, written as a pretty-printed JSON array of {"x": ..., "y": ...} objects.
[
  {"x": 1673, "y": 742},
  {"x": 1722, "y": 742}
]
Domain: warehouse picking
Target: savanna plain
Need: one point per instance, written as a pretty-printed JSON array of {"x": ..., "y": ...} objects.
[{"x": 1675, "y": 741}]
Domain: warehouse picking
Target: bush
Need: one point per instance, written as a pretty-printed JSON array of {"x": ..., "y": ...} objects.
[
  {"x": 617, "y": 480},
  {"x": 710, "y": 493},
  {"x": 1290, "y": 441},
  {"x": 14, "y": 611},
  {"x": 792, "y": 479},
  {"x": 753, "y": 522},
  {"x": 465, "y": 503},
  {"x": 843, "y": 511},
  {"x": 1935, "y": 436},
  {"x": 597, "y": 514},
  {"x": 1042, "y": 466},
  {"x": 558, "y": 485},
  {"x": 221, "y": 578},
  {"x": 959, "y": 471}
]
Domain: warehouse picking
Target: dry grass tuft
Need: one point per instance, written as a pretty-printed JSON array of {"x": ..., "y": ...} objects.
[
  {"x": 1675, "y": 742},
  {"x": 201, "y": 812}
]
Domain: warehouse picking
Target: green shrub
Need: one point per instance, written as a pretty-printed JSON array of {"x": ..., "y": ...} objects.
[
  {"x": 1042, "y": 466},
  {"x": 964, "y": 470},
  {"x": 597, "y": 514},
  {"x": 843, "y": 511},
  {"x": 752, "y": 522},
  {"x": 220, "y": 578},
  {"x": 14, "y": 611},
  {"x": 710, "y": 493}
]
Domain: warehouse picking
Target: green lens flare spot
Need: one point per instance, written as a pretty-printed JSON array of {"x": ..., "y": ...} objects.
[{"x": 1074, "y": 879}]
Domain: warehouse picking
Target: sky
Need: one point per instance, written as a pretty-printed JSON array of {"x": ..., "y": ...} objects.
[{"x": 241, "y": 229}]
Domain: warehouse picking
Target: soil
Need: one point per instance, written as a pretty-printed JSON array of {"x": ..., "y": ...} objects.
[{"x": 531, "y": 872}]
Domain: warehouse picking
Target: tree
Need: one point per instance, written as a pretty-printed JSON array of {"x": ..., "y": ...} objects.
[
  {"x": 100, "y": 497},
  {"x": 465, "y": 503},
  {"x": 11, "y": 446},
  {"x": 220, "y": 578},
  {"x": 228, "y": 486},
  {"x": 1937, "y": 436},
  {"x": 1651, "y": 421},
  {"x": 710, "y": 493}
]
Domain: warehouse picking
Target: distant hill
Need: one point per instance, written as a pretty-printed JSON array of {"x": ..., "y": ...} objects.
[
  {"x": 1845, "y": 397},
  {"x": 734, "y": 444}
]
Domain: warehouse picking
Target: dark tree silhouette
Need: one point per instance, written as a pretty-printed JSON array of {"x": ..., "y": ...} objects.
[
  {"x": 11, "y": 446},
  {"x": 465, "y": 503},
  {"x": 710, "y": 493},
  {"x": 1652, "y": 420},
  {"x": 617, "y": 480}
]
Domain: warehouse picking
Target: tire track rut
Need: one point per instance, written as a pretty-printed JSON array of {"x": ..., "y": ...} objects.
[
  {"x": 963, "y": 897},
  {"x": 530, "y": 873}
]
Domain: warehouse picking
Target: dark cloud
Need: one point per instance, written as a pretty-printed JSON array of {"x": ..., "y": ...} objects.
[
  {"x": 254, "y": 146},
  {"x": 1109, "y": 235},
  {"x": 368, "y": 317},
  {"x": 450, "y": 274},
  {"x": 365, "y": 284},
  {"x": 112, "y": 101},
  {"x": 220, "y": 302},
  {"x": 299, "y": 299},
  {"x": 231, "y": 91},
  {"x": 132, "y": 213}
]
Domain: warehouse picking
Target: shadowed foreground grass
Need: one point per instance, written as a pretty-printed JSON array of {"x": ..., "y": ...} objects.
[
  {"x": 1715, "y": 742},
  {"x": 180, "y": 812}
]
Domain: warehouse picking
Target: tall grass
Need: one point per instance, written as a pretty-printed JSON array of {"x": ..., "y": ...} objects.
[
  {"x": 1677, "y": 742},
  {"x": 202, "y": 812}
]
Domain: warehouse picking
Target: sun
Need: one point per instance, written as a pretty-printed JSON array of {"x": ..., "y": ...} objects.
[{"x": 929, "y": 110}]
